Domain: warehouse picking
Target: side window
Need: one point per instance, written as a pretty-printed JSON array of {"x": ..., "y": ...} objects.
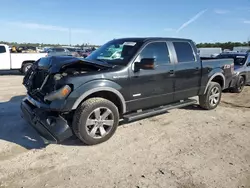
[
  {"x": 184, "y": 52},
  {"x": 71, "y": 49},
  {"x": 59, "y": 49},
  {"x": 2, "y": 49},
  {"x": 157, "y": 50}
]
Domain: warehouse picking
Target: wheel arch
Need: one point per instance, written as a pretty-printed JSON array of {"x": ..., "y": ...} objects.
[
  {"x": 28, "y": 61},
  {"x": 105, "y": 92},
  {"x": 217, "y": 77},
  {"x": 244, "y": 76}
]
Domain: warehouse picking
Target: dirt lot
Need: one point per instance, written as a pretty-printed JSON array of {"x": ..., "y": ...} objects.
[{"x": 185, "y": 148}]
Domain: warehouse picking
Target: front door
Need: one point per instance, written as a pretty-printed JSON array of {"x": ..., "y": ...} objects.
[
  {"x": 187, "y": 71},
  {"x": 151, "y": 88},
  {"x": 4, "y": 59}
]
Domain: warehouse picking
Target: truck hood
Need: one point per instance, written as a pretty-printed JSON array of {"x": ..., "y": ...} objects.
[{"x": 55, "y": 63}]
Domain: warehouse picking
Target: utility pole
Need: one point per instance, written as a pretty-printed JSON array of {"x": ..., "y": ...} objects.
[{"x": 69, "y": 36}]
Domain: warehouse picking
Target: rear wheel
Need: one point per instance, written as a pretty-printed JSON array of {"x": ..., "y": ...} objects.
[
  {"x": 95, "y": 121},
  {"x": 26, "y": 67},
  {"x": 212, "y": 97},
  {"x": 240, "y": 85}
]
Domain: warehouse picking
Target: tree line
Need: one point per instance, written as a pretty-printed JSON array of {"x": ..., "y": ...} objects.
[
  {"x": 223, "y": 45},
  {"x": 44, "y": 44}
]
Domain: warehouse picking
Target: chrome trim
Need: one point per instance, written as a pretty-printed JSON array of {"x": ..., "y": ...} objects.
[{"x": 44, "y": 82}]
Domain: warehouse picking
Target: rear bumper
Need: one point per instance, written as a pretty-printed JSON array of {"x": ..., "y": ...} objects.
[{"x": 50, "y": 126}]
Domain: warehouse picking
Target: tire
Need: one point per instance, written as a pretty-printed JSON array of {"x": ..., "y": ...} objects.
[
  {"x": 213, "y": 91},
  {"x": 239, "y": 85},
  {"x": 26, "y": 67},
  {"x": 94, "y": 133}
]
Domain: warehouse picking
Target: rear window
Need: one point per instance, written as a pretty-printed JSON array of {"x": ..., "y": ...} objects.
[
  {"x": 2, "y": 49},
  {"x": 184, "y": 52},
  {"x": 71, "y": 49},
  {"x": 59, "y": 49}
]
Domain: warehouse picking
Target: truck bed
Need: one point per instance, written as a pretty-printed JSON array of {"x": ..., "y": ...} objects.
[
  {"x": 18, "y": 58},
  {"x": 225, "y": 65}
]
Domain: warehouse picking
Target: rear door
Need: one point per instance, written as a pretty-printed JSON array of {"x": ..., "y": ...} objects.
[
  {"x": 4, "y": 58},
  {"x": 187, "y": 70}
]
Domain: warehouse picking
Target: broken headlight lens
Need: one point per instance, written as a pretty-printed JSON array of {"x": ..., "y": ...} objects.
[{"x": 61, "y": 93}]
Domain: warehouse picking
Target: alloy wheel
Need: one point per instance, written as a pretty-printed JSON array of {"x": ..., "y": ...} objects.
[
  {"x": 241, "y": 84},
  {"x": 214, "y": 96},
  {"x": 100, "y": 122}
]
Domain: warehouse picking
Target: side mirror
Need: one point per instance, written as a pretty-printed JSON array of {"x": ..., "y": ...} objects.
[{"x": 145, "y": 64}]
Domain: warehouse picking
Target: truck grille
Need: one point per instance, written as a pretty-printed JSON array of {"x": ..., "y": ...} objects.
[
  {"x": 34, "y": 79},
  {"x": 38, "y": 79}
]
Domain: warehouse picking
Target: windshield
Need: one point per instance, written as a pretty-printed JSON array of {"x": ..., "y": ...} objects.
[
  {"x": 238, "y": 59},
  {"x": 117, "y": 52}
]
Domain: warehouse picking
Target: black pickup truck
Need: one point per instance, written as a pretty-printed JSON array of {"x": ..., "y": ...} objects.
[{"x": 88, "y": 97}]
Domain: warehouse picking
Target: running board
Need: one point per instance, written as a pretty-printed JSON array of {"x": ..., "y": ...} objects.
[{"x": 159, "y": 110}]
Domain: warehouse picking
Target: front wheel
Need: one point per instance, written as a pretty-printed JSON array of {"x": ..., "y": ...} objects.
[
  {"x": 95, "y": 121},
  {"x": 212, "y": 97}
]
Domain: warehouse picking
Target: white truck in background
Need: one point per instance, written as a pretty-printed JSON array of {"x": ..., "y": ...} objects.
[
  {"x": 17, "y": 61},
  {"x": 209, "y": 52}
]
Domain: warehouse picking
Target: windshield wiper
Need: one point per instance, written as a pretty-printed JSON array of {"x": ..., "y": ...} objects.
[{"x": 102, "y": 60}]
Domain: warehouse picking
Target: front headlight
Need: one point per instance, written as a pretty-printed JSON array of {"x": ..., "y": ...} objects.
[{"x": 61, "y": 93}]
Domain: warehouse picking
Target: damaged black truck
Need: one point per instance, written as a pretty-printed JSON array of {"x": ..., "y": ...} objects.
[{"x": 124, "y": 80}]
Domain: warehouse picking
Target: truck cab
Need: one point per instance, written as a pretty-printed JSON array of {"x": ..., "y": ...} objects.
[{"x": 4, "y": 57}]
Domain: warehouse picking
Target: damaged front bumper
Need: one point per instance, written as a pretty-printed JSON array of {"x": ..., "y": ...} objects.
[{"x": 48, "y": 124}]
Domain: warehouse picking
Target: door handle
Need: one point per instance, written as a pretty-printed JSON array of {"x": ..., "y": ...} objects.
[{"x": 171, "y": 72}]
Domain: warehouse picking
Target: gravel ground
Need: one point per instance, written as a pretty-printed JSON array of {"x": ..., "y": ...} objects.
[{"x": 185, "y": 148}]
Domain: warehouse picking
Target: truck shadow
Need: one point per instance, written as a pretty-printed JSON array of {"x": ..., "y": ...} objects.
[
  {"x": 14, "y": 129},
  {"x": 74, "y": 141},
  {"x": 193, "y": 107},
  {"x": 10, "y": 72}
]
